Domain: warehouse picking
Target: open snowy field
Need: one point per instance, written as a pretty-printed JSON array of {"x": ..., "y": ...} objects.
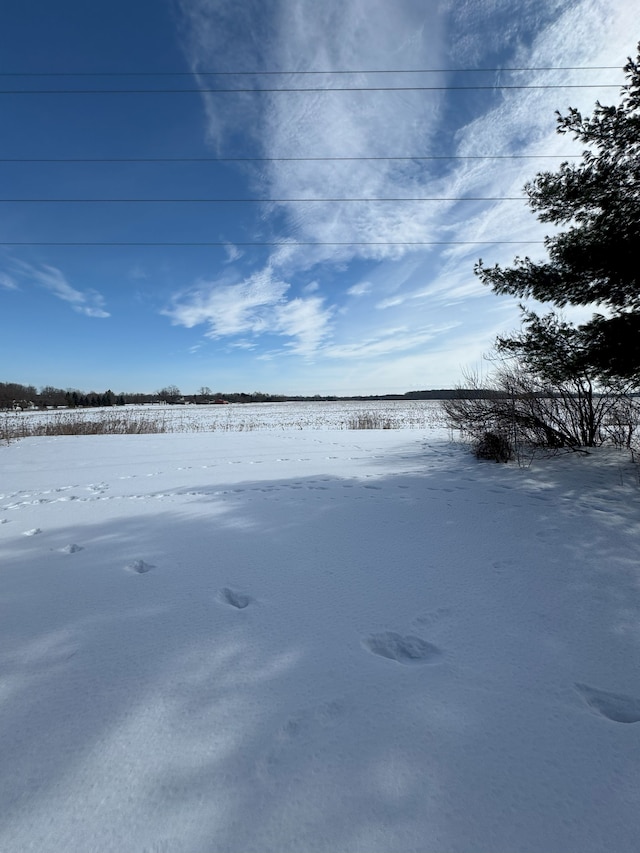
[
  {"x": 243, "y": 417},
  {"x": 316, "y": 640}
]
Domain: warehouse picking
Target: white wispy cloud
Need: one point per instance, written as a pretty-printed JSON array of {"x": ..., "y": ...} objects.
[
  {"x": 321, "y": 124},
  {"x": 390, "y": 341},
  {"x": 7, "y": 281},
  {"x": 90, "y": 303},
  {"x": 229, "y": 309},
  {"x": 360, "y": 289},
  {"x": 233, "y": 253},
  {"x": 523, "y": 121},
  {"x": 392, "y": 301},
  {"x": 243, "y": 344},
  {"x": 414, "y": 283},
  {"x": 256, "y": 305},
  {"x": 307, "y": 321},
  {"x": 376, "y": 124}
]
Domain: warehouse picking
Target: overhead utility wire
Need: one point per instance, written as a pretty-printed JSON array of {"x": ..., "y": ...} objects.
[
  {"x": 248, "y": 200},
  {"x": 269, "y": 89},
  {"x": 276, "y": 159},
  {"x": 307, "y": 72},
  {"x": 226, "y": 243}
]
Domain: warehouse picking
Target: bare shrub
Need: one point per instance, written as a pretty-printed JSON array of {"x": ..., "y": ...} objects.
[
  {"x": 622, "y": 425},
  {"x": 531, "y": 413},
  {"x": 494, "y": 447}
]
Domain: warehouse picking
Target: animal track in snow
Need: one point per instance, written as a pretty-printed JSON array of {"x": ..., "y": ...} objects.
[
  {"x": 405, "y": 649},
  {"x": 614, "y": 706},
  {"x": 239, "y": 600},
  {"x": 71, "y": 549},
  {"x": 139, "y": 567}
]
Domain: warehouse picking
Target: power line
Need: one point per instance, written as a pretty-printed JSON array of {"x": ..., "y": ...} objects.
[
  {"x": 278, "y": 159},
  {"x": 249, "y": 200},
  {"x": 227, "y": 243},
  {"x": 306, "y": 89},
  {"x": 305, "y": 72}
]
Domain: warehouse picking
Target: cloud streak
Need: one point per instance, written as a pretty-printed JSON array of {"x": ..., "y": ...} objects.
[
  {"x": 89, "y": 303},
  {"x": 229, "y": 309},
  {"x": 257, "y": 306},
  {"x": 414, "y": 290},
  {"x": 7, "y": 281}
]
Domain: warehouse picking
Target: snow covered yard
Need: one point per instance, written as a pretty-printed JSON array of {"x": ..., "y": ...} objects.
[{"x": 316, "y": 640}]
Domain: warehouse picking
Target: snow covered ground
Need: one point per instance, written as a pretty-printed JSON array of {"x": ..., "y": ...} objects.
[
  {"x": 316, "y": 640},
  {"x": 237, "y": 417}
]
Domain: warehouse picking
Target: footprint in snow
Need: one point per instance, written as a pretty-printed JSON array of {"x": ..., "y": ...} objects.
[
  {"x": 406, "y": 649},
  {"x": 33, "y": 532},
  {"x": 71, "y": 549},
  {"x": 614, "y": 706},
  {"x": 139, "y": 567},
  {"x": 239, "y": 600}
]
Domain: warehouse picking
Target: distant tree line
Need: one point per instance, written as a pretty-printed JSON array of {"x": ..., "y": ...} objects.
[{"x": 14, "y": 395}]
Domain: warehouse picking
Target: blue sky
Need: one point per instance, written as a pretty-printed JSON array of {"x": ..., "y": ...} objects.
[{"x": 286, "y": 318}]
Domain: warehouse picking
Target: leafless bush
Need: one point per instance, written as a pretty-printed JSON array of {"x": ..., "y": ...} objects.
[
  {"x": 529, "y": 413},
  {"x": 622, "y": 426},
  {"x": 494, "y": 447}
]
